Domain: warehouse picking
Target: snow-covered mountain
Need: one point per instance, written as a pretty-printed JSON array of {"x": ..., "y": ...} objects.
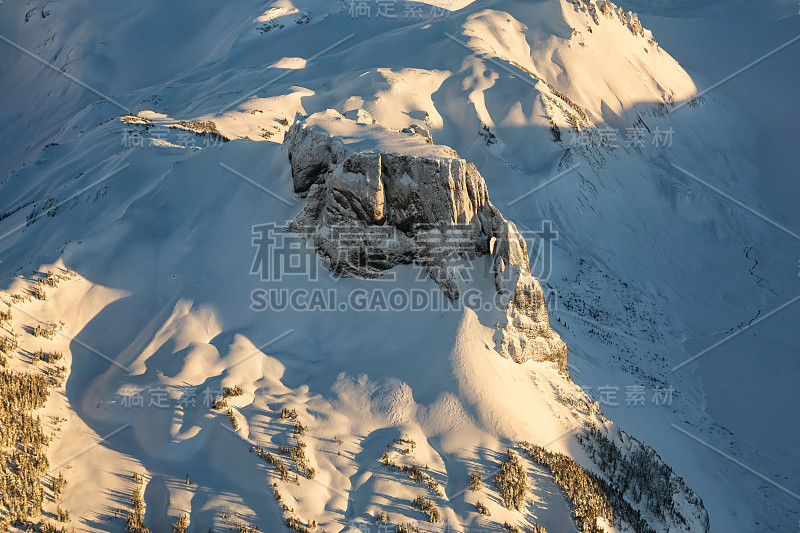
[{"x": 340, "y": 266}]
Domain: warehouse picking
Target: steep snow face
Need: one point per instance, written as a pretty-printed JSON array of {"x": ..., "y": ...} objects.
[
  {"x": 561, "y": 45},
  {"x": 556, "y": 48}
]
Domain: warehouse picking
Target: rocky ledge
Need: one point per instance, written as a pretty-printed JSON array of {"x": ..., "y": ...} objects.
[{"x": 377, "y": 198}]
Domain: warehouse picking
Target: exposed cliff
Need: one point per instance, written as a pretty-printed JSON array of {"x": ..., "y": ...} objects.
[{"x": 377, "y": 198}]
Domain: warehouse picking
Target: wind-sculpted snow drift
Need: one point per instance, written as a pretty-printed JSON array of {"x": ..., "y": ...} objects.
[{"x": 378, "y": 198}]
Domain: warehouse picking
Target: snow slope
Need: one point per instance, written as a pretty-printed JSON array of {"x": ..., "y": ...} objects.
[{"x": 650, "y": 266}]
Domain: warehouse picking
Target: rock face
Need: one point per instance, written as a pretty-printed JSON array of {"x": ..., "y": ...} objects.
[
  {"x": 526, "y": 333},
  {"x": 377, "y": 198},
  {"x": 419, "y": 130}
]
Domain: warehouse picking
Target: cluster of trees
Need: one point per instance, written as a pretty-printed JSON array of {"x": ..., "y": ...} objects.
[
  {"x": 40, "y": 355},
  {"x": 590, "y": 496},
  {"x": 482, "y": 509},
  {"x": 48, "y": 527},
  {"x": 56, "y": 375},
  {"x": 46, "y": 279},
  {"x": 6, "y": 317},
  {"x": 405, "y": 447},
  {"x": 51, "y": 280},
  {"x": 38, "y": 292},
  {"x": 277, "y": 462},
  {"x": 7, "y": 346},
  {"x": 641, "y": 474},
  {"x": 23, "y": 445},
  {"x": 229, "y": 392},
  {"x": 297, "y": 525},
  {"x": 475, "y": 481},
  {"x": 57, "y": 486},
  {"x": 181, "y": 525},
  {"x": 237, "y": 524},
  {"x": 510, "y": 528},
  {"x": 220, "y": 402},
  {"x": 232, "y": 417},
  {"x": 11, "y": 211},
  {"x": 512, "y": 481},
  {"x": 135, "y": 520},
  {"x": 298, "y": 452},
  {"x": 48, "y": 330},
  {"x": 426, "y": 506}
]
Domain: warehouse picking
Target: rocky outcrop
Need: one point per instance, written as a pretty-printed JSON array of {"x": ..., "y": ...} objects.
[
  {"x": 525, "y": 332},
  {"x": 377, "y": 198},
  {"x": 419, "y": 130}
]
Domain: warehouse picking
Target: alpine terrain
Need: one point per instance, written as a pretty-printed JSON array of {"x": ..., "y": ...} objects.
[{"x": 399, "y": 266}]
